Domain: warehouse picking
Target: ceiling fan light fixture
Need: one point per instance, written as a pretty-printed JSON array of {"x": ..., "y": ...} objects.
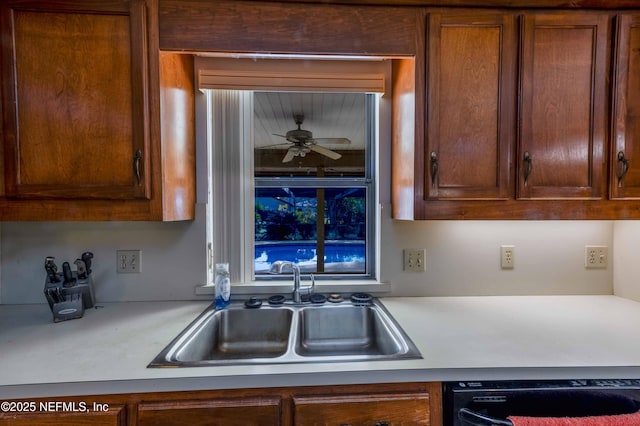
[
  {"x": 298, "y": 135},
  {"x": 303, "y": 142}
]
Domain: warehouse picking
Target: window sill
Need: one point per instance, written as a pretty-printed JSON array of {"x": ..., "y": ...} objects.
[{"x": 279, "y": 287}]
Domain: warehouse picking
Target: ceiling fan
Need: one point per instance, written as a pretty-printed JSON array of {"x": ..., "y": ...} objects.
[{"x": 302, "y": 142}]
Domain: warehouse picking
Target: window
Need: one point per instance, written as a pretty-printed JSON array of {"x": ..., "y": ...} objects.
[
  {"x": 314, "y": 195},
  {"x": 322, "y": 229},
  {"x": 293, "y": 178}
]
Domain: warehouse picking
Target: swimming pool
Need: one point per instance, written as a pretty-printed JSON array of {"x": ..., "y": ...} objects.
[{"x": 339, "y": 256}]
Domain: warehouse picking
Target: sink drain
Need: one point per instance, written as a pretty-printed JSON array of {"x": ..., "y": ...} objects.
[
  {"x": 253, "y": 303},
  {"x": 317, "y": 298},
  {"x": 335, "y": 298},
  {"x": 361, "y": 299},
  {"x": 277, "y": 299}
]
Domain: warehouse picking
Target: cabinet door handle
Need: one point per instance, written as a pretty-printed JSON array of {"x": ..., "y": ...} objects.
[
  {"x": 136, "y": 166},
  {"x": 528, "y": 167},
  {"x": 434, "y": 168},
  {"x": 623, "y": 167}
]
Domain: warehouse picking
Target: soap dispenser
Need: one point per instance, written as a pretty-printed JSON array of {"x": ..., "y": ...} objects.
[{"x": 222, "y": 286}]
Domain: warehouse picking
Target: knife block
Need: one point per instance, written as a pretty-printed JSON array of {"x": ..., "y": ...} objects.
[{"x": 70, "y": 301}]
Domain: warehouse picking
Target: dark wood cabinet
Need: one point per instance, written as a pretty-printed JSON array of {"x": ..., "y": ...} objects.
[
  {"x": 514, "y": 110},
  {"x": 374, "y": 409},
  {"x": 471, "y": 69},
  {"x": 367, "y": 404},
  {"x": 65, "y": 414},
  {"x": 78, "y": 90},
  {"x": 562, "y": 137},
  {"x": 249, "y": 411},
  {"x": 624, "y": 180},
  {"x": 82, "y": 83},
  {"x": 547, "y": 134}
]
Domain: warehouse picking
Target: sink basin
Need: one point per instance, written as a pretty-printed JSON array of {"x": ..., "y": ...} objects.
[
  {"x": 236, "y": 334},
  {"x": 346, "y": 330},
  {"x": 289, "y": 333}
]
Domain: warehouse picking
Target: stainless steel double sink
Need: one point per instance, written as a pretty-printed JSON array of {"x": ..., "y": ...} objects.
[{"x": 289, "y": 333}]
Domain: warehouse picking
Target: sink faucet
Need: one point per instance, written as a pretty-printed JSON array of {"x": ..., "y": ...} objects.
[{"x": 279, "y": 266}]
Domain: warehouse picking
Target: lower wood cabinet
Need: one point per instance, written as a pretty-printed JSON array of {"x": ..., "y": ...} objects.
[
  {"x": 227, "y": 411},
  {"x": 354, "y": 405},
  {"x": 376, "y": 409},
  {"x": 61, "y": 412}
]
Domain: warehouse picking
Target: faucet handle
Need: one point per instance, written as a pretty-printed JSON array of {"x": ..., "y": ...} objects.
[
  {"x": 307, "y": 290},
  {"x": 312, "y": 287}
]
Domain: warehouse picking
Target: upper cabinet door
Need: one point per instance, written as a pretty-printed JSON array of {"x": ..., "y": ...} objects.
[
  {"x": 562, "y": 138},
  {"x": 470, "y": 105},
  {"x": 75, "y": 81},
  {"x": 625, "y": 145}
]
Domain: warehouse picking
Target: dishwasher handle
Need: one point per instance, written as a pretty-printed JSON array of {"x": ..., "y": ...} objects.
[{"x": 476, "y": 419}]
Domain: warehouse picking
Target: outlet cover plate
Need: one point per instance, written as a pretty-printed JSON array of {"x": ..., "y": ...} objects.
[
  {"x": 596, "y": 257},
  {"x": 129, "y": 261},
  {"x": 507, "y": 258}
]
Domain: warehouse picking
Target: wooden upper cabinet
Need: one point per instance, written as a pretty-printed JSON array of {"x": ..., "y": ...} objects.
[
  {"x": 625, "y": 144},
  {"x": 472, "y": 74},
  {"x": 564, "y": 69},
  {"x": 76, "y": 100},
  {"x": 97, "y": 124}
]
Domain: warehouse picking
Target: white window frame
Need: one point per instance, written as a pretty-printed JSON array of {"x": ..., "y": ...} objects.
[
  {"x": 230, "y": 197},
  {"x": 230, "y": 231}
]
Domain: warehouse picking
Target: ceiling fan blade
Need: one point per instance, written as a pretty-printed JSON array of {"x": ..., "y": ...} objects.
[
  {"x": 282, "y": 136},
  {"x": 332, "y": 141},
  {"x": 275, "y": 145},
  {"x": 288, "y": 156},
  {"x": 325, "y": 151}
]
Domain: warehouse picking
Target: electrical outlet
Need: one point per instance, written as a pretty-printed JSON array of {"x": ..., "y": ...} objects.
[
  {"x": 414, "y": 260},
  {"x": 596, "y": 257},
  {"x": 129, "y": 261},
  {"x": 507, "y": 257}
]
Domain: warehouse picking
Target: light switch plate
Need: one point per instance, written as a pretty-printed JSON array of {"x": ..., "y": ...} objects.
[{"x": 414, "y": 260}]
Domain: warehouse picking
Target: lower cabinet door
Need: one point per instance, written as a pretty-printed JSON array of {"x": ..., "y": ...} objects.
[
  {"x": 390, "y": 409},
  {"x": 67, "y": 415},
  {"x": 253, "y": 411}
]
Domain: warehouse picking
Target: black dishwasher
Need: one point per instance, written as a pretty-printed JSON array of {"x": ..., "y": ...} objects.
[{"x": 489, "y": 403}]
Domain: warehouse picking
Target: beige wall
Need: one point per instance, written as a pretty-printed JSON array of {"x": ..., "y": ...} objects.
[
  {"x": 626, "y": 258},
  {"x": 462, "y": 257}
]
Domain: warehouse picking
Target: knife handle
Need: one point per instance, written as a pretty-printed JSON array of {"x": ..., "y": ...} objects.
[
  {"x": 81, "y": 269},
  {"x": 66, "y": 273},
  {"x": 51, "y": 268},
  {"x": 86, "y": 258}
]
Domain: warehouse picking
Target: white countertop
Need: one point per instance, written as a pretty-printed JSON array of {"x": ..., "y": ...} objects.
[{"x": 471, "y": 338}]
